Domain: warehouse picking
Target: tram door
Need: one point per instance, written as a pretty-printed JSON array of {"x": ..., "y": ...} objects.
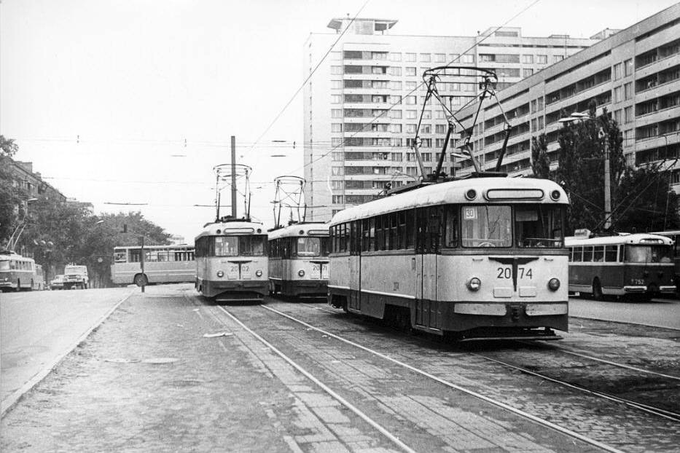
[
  {"x": 354, "y": 266},
  {"x": 427, "y": 253}
]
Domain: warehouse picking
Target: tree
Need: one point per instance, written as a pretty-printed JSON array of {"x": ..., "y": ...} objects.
[
  {"x": 10, "y": 194},
  {"x": 583, "y": 144},
  {"x": 540, "y": 162}
]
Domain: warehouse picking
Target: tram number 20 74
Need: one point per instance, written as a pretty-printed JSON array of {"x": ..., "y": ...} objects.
[{"x": 523, "y": 273}]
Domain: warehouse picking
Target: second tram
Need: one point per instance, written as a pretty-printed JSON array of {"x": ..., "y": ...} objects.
[
  {"x": 481, "y": 257},
  {"x": 298, "y": 260},
  {"x": 231, "y": 261},
  {"x": 628, "y": 264}
]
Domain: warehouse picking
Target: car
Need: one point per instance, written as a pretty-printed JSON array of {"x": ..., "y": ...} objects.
[{"x": 57, "y": 282}]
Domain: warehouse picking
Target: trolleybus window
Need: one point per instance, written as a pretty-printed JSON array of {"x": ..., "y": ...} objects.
[
  {"x": 251, "y": 245},
  {"x": 648, "y": 254},
  {"x": 487, "y": 226}
]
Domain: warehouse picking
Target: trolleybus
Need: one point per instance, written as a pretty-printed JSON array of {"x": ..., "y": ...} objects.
[
  {"x": 298, "y": 260},
  {"x": 16, "y": 272},
  {"x": 481, "y": 257},
  {"x": 627, "y": 264},
  {"x": 231, "y": 261},
  {"x": 161, "y": 264}
]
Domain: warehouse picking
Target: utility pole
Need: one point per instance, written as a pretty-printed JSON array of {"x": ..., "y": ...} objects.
[
  {"x": 233, "y": 176},
  {"x": 607, "y": 182}
]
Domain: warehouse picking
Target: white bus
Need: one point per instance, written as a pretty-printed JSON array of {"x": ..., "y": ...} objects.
[{"x": 162, "y": 264}]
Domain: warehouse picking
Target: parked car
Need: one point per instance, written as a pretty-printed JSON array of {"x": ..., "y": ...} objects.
[{"x": 57, "y": 282}]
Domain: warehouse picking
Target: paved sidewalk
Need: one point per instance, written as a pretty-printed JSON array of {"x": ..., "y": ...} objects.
[{"x": 149, "y": 380}]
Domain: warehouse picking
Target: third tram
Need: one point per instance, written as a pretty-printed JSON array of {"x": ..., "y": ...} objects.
[{"x": 298, "y": 260}]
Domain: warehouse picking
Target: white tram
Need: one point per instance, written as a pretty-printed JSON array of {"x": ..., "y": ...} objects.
[
  {"x": 482, "y": 257},
  {"x": 231, "y": 261},
  {"x": 298, "y": 260}
]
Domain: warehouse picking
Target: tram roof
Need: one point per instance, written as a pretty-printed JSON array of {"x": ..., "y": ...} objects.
[
  {"x": 232, "y": 227},
  {"x": 493, "y": 190},
  {"x": 317, "y": 229},
  {"x": 634, "y": 239}
]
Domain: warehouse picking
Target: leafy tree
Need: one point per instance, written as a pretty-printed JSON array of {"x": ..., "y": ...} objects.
[
  {"x": 11, "y": 208},
  {"x": 644, "y": 201},
  {"x": 633, "y": 191},
  {"x": 540, "y": 162}
]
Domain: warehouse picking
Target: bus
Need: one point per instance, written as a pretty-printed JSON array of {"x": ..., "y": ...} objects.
[
  {"x": 16, "y": 272},
  {"x": 675, "y": 236},
  {"x": 298, "y": 260},
  {"x": 475, "y": 258},
  {"x": 162, "y": 264},
  {"x": 231, "y": 261},
  {"x": 639, "y": 265}
]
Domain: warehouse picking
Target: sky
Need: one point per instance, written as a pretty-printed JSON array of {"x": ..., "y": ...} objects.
[{"x": 130, "y": 104}]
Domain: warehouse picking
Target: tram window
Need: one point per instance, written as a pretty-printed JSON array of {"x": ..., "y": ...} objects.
[
  {"x": 251, "y": 245},
  {"x": 365, "y": 235},
  {"x": 487, "y": 226},
  {"x": 371, "y": 234},
  {"x": 306, "y": 246},
  {"x": 451, "y": 227},
  {"x": 393, "y": 231},
  {"x": 402, "y": 231},
  {"x": 226, "y": 246},
  {"x": 410, "y": 229},
  {"x": 538, "y": 226},
  {"x": 610, "y": 252},
  {"x": 379, "y": 233},
  {"x": 578, "y": 254}
]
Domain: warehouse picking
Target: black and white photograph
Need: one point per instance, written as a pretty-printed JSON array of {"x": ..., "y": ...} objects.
[{"x": 312, "y": 226}]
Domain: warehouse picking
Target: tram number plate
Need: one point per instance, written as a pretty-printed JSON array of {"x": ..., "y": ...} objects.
[
  {"x": 233, "y": 272},
  {"x": 523, "y": 273},
  {"x": 245, "y": 271}
]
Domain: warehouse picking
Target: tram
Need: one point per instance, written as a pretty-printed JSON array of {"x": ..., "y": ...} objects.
[
  {"x": 231, "y": 261},
  {"x": 298, "y": 260},
  {"x": 478, "y": 257},
  {"x": 638, "y": 265}
]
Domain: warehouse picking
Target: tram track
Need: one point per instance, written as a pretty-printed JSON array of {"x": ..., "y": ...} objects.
[{"x": 409, "y": 364}]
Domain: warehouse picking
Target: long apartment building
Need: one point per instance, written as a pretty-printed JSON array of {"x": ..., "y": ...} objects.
[
  {"x": 633, "y": 74},
  {"x": 365, "y": 98}
]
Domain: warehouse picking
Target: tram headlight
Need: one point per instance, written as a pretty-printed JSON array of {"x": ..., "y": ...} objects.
[
  {"x": 474, "y": 284},
  {"x": 220, "y": 274},
  {"x": 258, "y": 273},
  {"x": 554, "y": 284},
  {"x": 301, "y": 273},
  {"x": 555, "y": 195}
]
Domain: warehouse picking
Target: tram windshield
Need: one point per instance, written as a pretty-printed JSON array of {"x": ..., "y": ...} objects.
[
  {"x": 239, "y": 245},
  {"x": 648, "y": 254},
  {"x": 539, "y": 226},
  {"x": 535, "y": 226},
  {"x": 307, "y": 246}
]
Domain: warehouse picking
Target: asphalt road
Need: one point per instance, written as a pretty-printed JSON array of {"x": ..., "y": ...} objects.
[{"x": 38, "y": 328}]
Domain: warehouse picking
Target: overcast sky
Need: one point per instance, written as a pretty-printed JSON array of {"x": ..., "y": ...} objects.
[{"x": 130, "y": 104}]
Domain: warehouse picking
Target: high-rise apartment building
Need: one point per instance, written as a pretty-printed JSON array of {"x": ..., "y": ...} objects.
[
  {"x": 633, "y": 74},
  {"x": 365, "y": 98}
]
